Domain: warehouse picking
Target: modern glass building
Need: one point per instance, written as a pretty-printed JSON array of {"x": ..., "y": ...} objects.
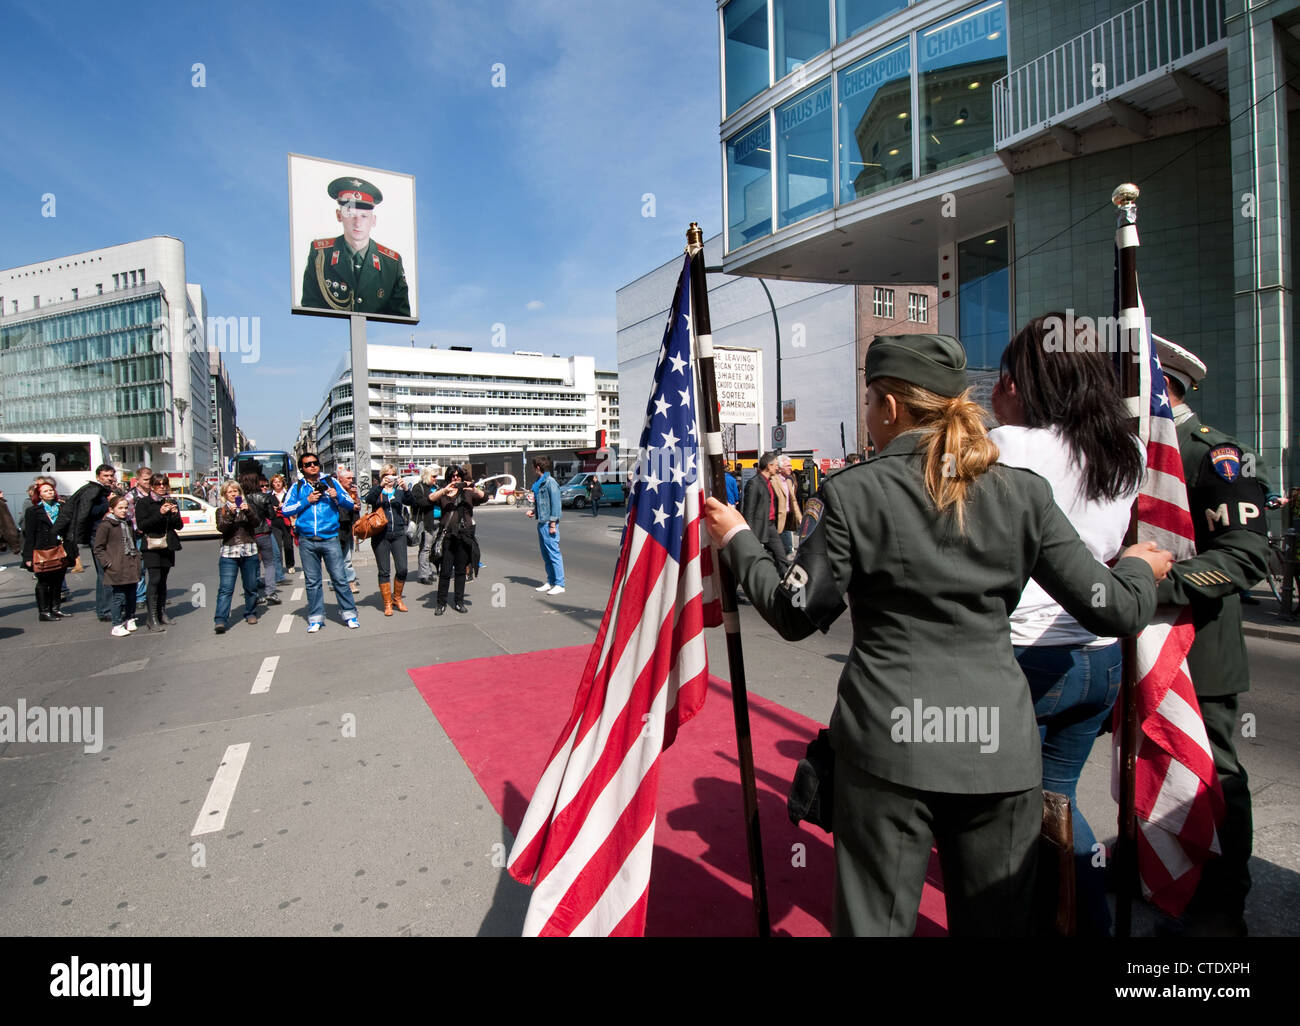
[
  {"x": 973, "y": 147},
  {"x": 86, "y": 347}
]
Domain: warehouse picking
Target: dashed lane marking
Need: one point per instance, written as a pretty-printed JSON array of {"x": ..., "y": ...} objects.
[
  {"x": 263, "y": 682},
  {"x": 212, "y": 817}
]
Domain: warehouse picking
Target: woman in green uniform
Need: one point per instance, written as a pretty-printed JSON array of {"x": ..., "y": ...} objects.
[{"x": 934, "y": 733}]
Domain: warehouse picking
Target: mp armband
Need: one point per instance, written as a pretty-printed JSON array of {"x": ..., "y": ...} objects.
[{"x": 809, "y": 585}]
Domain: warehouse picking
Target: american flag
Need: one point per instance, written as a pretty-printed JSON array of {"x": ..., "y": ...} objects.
[
  {"x": 588, "y": 834},
  {"x": 1178, "y": 799}
]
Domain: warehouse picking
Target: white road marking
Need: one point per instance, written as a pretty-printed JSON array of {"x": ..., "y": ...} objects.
[
  {"x": 286, "y": 624},
  {"x": 131, "y": 667},
  {"x": 212, "y": 817},
  {"x": 297, "y": 595},
  {"x": 263, "y": 682}
]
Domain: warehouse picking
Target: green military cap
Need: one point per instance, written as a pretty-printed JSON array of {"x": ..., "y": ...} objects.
[
  {"x": 936, "y": 363},
  {"x": 356, "y": 191}
]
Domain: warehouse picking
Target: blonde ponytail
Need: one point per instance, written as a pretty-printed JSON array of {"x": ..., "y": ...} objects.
[{"x": 958, "y": 448}]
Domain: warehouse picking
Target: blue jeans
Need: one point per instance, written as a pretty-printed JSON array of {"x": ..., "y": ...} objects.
[
  {"x": 123, "y": 598},
  {"x": 554, "y": 562},
  {"x": 278, "y": 558},
  {"x": 346, "y": 544},
  {"x": 310, "y": 552},
  {"x": 103, "y": 594},
  {"x": 142, "y": 588},
  {"x": 1073, "y": 690},
  {"x": 231, "y": 570}
]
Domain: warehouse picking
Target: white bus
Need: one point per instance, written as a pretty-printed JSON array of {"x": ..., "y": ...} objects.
[{"x": 69, "y": 459}]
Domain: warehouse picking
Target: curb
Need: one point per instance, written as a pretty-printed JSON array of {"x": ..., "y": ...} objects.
[{"x": 1255, "y": 630}]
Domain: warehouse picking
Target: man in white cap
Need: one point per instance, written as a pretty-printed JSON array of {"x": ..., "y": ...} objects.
[{"x": 1227, "y": 503}]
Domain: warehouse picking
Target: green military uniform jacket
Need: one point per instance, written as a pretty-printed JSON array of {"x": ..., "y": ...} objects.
[
  {"x": 330, "y": 283},
  {"x": 1227, "y": 508},
  {"x": 931, "y": 614}
]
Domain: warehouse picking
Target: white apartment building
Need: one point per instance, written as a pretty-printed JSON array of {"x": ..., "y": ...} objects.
[
  {"x": 110, "y": 342},
  {"x": 607, "y": 418},
  {"x": 440, "y": 405}
]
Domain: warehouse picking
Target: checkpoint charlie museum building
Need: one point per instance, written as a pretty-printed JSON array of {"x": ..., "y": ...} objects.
[{"x": 974, "y": 148}]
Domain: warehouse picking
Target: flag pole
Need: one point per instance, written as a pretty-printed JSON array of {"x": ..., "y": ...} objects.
[
  {"x": 1126, "y": 300},
  {"x": 731, "y": 620}
]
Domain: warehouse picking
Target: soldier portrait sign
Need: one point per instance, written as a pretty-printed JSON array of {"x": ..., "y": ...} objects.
[{"x": 352, "y": 240}]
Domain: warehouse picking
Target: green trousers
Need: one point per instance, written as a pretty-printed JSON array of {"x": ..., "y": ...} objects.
[
  {"x": 883, "y": 834},
  {"x": 1225, "y": 880}
]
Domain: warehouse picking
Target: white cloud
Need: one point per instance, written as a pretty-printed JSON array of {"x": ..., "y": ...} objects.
[{"x": 534, "y": 304}]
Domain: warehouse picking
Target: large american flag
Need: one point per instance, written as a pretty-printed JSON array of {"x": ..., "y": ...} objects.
[
  {"x": 588, "y": 834},
  {"x": 1178, "y": 799}
]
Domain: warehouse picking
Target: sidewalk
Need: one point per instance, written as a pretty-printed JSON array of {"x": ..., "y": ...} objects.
[{"x": 1263, "y": 621}]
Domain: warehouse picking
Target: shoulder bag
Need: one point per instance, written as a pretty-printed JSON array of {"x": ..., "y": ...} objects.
[
  {"x": 45, "y": 560},
  {"x": 370, "y": 525}
]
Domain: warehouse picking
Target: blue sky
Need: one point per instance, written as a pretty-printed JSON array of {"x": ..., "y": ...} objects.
[{"x": 529, "y": 197}]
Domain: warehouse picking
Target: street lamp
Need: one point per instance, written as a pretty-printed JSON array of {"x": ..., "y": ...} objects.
[
  {"x": 181, "y": 406},
  {"x": 523, "y": 468}
]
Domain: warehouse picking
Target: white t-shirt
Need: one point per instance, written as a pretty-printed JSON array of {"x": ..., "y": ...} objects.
[{"x": 1038, "y": 619}]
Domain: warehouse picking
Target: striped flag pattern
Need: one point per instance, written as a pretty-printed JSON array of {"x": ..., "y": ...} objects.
[
  {"x": 588, "y": 835},
  {"x": 1178, "y": 799}
]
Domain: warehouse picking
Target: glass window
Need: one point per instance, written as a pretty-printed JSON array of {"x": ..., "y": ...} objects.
[
  {"x": 745, "y": 51},
  {"x": 918, "y": 307},
  {"x": 852, "y": 16},
  {"x": 959, "y": 61},
  {"x": 876, "y": 122},
  {"x": 802, "y": 29},
  {"x": 749, "y": 184},
  {"x": 803, "y": 155},
  {"x": 882, "y": 302},
  {"x": 983, "y": 298}
]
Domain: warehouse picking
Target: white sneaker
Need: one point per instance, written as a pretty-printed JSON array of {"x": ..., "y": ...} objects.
[
  {"x": 120, "y": 631},
  {"x": 557, "y": 590},
  {"x": 131, "y": 627},
  {"x": 544, "y": 587}
]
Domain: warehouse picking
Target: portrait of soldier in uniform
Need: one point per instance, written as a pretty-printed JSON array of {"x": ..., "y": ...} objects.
[{"x": 352, "y": 272}]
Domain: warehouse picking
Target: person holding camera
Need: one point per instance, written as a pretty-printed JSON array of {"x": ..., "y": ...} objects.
[
  {"x": 261, "y": 503},
  {"x": 281, "y": 527},
  {"x": 158, "y": 518},
  {"x": 238, "y": 523},
  {"x": 457, "y": 497},
  {"x": 430, "y": 514},
  {"x": 315, "y": 502},
  {"x": 390, "y": 543}
]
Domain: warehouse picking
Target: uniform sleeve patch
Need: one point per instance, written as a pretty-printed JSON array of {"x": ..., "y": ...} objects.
[
  {"x": 812, "y": 514},
  {"x": 1226, "y": 460}
]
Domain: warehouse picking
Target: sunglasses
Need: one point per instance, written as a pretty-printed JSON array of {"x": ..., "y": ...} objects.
[{"x": 310, "y": 463}]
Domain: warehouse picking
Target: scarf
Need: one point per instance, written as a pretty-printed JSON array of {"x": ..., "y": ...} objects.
[{"x": 51, "y": 511}]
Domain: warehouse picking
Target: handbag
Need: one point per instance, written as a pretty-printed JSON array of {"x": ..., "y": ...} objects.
[
  {"x": 45, "y": 560},
  {"x": 412, "y": 532},
  {"x": 155, "y": 544},
  {"x": 812, "y": 793},
  {"x": 370, "y": 525}
]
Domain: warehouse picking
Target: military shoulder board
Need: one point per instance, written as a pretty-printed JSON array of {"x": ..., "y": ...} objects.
[{"x": 390, "y": 253}]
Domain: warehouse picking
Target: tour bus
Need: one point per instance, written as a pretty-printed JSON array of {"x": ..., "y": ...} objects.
[
  {"x": 266, "y": 462},
  {"x": 69, "y": 459}
]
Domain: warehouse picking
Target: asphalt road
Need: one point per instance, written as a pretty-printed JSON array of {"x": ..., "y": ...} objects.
[{"x": 353, "y": 813}]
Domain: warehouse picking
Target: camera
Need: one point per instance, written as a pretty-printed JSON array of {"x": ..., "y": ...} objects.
[{"x": 322, "y": 487}]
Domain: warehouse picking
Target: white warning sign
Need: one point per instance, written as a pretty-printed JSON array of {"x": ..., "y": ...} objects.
[{"x": 740, "y": 384}]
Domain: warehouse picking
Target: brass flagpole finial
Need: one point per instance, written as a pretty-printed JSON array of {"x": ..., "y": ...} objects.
[
  {"x": 1125, "y": 194},
  {"x": 694, "y": 238}
]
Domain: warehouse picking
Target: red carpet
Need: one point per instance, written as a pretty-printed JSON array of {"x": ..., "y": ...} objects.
[{"x": 504, "y": 713}]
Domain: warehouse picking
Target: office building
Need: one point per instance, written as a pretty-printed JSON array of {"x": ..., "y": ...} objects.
[
  {"x": 607, "y": 408},
  {"x": 110, "y": 342},
  {"x": 974, "y": 147},
  {"x": 440, "y": 405}
]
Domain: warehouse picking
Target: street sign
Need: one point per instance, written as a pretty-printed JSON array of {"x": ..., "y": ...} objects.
[
  {"x": 739, "y": 375},
  {"x": 169, "y": 451},
  {"x": 778, "y": 436},
  {"x": 787, "y": 411}
]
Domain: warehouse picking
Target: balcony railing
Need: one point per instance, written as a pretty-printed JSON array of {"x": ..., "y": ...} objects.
[{"x": 1150, "y": 38}]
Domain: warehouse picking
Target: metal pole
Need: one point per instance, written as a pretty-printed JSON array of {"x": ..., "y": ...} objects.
[
  {"x": 1126, "y": 301},
  {"x": 731, "y": 619},
  {"x": 360, "y": 402}
]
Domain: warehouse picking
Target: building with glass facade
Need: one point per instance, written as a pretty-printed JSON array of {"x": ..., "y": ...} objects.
[
  {"x": 440, "y": 405},
  {"x": 973, "y": 147},
  {"x": 87, "y": 347}
]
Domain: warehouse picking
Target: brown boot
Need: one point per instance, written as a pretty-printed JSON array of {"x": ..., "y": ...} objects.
[
  {"x": 386, "y": 592},
  {"x": 397, "y": 597}
]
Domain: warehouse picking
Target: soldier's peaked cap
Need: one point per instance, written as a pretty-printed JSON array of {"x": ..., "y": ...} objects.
[
  {"x": 936, "y": 363},
  {"x": 1180, "y": 364},
  {"x": 356, "y": 191}
]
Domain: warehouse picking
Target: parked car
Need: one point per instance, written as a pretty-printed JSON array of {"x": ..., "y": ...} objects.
[
  {"x": 574, "y": 491},
  {"x": 198, "y": 518},
  {"x": 500, "y": 490}
]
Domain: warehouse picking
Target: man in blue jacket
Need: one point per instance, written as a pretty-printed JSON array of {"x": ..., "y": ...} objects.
[
  {"x": 316, "y": 501},
  {"x": 547, "y": 494}
]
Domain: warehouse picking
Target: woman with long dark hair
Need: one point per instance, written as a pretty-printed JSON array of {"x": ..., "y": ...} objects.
[
  {"x": 458, "y": 497},
  {"x": 1063, "y": 417},
  {"x": 933, "y": 733}
]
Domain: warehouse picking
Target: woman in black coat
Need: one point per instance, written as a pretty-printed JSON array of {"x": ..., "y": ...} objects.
[
  {"x": 43, "y": 528},
  {"x": 158, "y": 517},
  {"x": 390, "y": 543}
]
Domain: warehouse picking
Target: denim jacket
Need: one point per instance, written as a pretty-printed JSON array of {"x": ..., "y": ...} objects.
[{"x": 548, "y": 499}]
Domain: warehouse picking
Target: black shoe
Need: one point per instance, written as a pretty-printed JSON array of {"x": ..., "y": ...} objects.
[
  {"x": 59, "y": 614},
  {"x": 274, "y": 600},
  {"x": 47, "y": 617},
  {"x": 460, "y": 607},
  {"x": 164, "y": 619},
  {"x": 220, "y": 628},
  {"x": 440, "y": 610}
]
